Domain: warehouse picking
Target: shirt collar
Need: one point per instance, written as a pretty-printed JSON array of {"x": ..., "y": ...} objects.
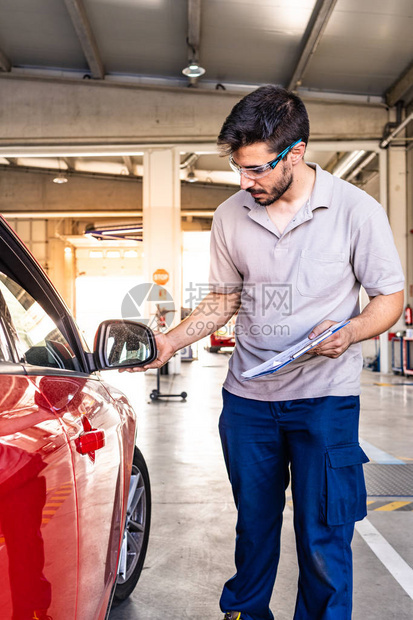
[{"x": 321, "y": 195}]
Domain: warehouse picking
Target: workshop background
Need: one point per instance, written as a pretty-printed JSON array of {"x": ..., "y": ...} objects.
[{"x": 109, "y": 172}]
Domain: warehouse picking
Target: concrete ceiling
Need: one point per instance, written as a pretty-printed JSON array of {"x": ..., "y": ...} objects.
[
  {"x": 339, "y": 46},
  {"x": 349, "y": 49}
]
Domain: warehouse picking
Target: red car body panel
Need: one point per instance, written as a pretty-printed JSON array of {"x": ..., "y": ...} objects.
[
  {"x": 82, "y": 404},
  {"x": 224, "y": 336},
  {"x": 38, "y": 513},
  {"x": 221, "y": 341},
  {"x": 82, "y": 516}
]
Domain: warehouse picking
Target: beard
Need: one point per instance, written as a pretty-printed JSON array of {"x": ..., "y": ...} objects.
[{"x": 275, "y": 192}]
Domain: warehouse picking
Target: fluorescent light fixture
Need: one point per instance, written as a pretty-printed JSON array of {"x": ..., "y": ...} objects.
[
  {"x": 347, "y": 163},
  {"x": 361, "y": 166},
  {"x": 71, "y": 151},
  {"x": 132, "y": 232}
]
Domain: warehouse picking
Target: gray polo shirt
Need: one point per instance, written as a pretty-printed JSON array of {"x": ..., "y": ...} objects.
[{"x": 290, "y": 282}]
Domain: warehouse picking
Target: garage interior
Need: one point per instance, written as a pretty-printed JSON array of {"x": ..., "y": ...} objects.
[{"x": 109, "y": 171}]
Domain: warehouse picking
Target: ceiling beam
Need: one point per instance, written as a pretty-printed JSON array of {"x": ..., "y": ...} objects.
[
  {"x": 312, "y": 37},
  {"x": 86, "y": 37},
  {"x": 127, "y": 160},
  {"x": 194, "y": 28},
  {"x": 5, "y": 64},
  {"x": 402, "y": 85},
  {"x": 74, "y": 173},
  {"x": 53, "y": 103}
]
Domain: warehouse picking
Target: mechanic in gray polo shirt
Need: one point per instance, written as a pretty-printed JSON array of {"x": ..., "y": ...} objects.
[{"x": 290, "y": 252}]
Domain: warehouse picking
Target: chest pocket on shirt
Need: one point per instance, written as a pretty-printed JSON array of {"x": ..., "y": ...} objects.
[{"x": 319, "y": 273}]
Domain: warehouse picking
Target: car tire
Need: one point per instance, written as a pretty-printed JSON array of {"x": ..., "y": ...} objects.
[{"x": 136, "y": 534}]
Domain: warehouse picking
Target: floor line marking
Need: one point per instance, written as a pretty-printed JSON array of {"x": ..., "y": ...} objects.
[
  {"x": 379, "y": 456},
  {"x": 388, "y": 556},
  {"x": 392, "y": 506}
]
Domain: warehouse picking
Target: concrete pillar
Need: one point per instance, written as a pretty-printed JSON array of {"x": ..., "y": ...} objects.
[
  {"x": 162, "y": 220},
  {"x": 397, "y": 200},
  {"x": 409, "y": 164},
  {"x": 397, "y": 212}
]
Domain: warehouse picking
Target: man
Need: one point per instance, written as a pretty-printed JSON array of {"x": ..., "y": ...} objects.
[{"x": 290, "y": 251}]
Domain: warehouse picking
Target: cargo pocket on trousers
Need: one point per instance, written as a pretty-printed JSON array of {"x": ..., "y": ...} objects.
[{"x": 344, "y": 494}]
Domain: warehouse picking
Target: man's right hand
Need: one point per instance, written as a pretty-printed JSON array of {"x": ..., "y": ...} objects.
[
  {"x": 165, "y": 352},
  {"x": 202, "y": 322}
]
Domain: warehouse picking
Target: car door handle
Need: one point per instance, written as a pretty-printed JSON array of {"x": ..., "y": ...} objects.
[{"x": 90, "y": 441}]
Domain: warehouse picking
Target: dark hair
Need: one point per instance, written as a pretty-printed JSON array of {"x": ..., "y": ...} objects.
[{"x": 270, "y": 114}]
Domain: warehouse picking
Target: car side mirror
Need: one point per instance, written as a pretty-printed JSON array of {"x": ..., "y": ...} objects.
[{"x": 123, "y": 344}]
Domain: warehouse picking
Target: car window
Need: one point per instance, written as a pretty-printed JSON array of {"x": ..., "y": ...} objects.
[{"x": 37, "y": 338}]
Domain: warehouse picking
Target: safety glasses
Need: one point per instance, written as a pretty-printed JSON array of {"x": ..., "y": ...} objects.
[{"x": 258, "y": 172}]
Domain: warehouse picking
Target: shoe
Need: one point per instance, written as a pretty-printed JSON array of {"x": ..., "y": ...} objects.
[{"x": 232, "y": 615}]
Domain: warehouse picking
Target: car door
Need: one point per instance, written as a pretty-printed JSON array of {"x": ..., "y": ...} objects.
[
  {"x": 38, "y": 516},
  {"x": 53, "y": 357},
  {"x": 89, "y": 413}
]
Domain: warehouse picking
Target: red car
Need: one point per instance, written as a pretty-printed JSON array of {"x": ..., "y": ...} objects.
[
  {"x": 74, "y": 488},
  {"x": 223, "y": 337}
]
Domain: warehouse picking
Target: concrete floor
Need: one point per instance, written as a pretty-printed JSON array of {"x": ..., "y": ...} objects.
[{"x": 192, "y": 537}]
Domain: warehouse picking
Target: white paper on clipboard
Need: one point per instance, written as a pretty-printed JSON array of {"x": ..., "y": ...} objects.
[{"x": 289, "y": 355}]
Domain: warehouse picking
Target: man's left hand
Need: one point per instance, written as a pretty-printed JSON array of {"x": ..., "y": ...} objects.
[{"x": 334, "y": 345}]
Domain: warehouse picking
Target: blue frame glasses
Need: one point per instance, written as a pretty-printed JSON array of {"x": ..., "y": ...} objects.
[{"x": 257, "y": 172}]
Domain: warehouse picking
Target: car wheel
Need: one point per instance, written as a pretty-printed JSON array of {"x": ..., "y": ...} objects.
[{"x": 136, "y": 535}]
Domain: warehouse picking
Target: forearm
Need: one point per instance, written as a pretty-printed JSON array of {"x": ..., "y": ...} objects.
[
  {"x": 213, "y": 312},
  {"x": 378, "y": 316}
]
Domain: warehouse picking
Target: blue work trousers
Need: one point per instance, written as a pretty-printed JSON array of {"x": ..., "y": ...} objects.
[{"x": 316, "y": 440}]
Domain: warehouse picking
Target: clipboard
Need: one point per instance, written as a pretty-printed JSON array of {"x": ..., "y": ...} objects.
[{"x": 291, "y": 354}]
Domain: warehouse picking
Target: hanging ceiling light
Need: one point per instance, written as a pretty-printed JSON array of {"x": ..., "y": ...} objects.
[
  {"x": 60, "y": 178},
  {"x": 193, "y": 70},
  {"x": 190, "y": 177}
]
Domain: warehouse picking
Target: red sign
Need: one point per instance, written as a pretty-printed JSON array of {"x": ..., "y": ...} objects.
[{"x": 160, "y": 276}]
